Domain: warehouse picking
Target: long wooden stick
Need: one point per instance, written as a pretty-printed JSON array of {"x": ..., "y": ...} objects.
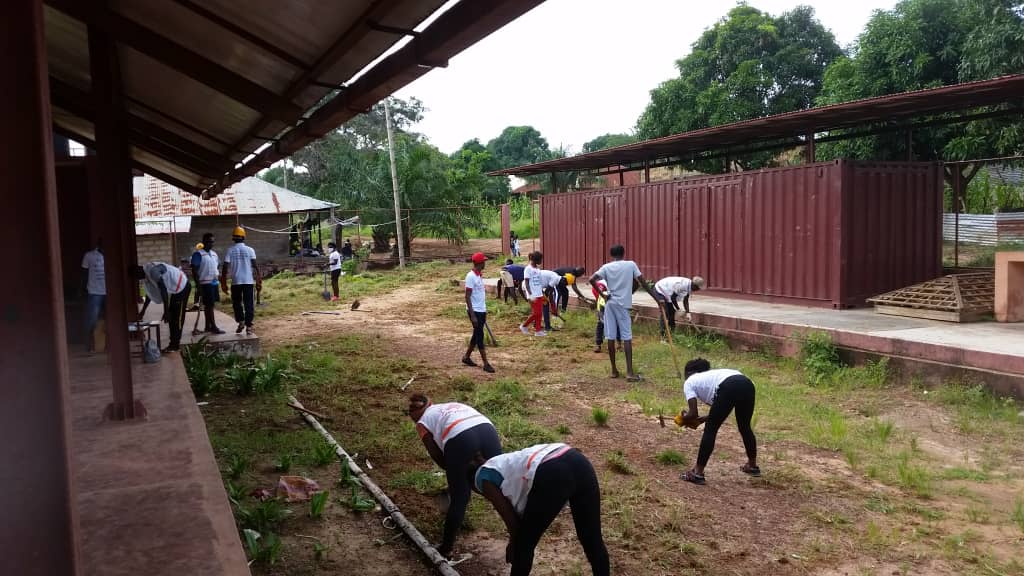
[
  {"x": 308, "y": 411},
  {"x": 435, "y": 557},
  {"x": 671, "y": 340}
]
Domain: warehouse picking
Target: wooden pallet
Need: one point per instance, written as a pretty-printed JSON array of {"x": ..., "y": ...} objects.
[{"x": 953, "y": 298}]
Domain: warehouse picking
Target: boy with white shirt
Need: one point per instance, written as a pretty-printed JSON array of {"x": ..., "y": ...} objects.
[
  {"x": 535, "y": 294},
  {"x": 667, "y": 292},
  {"x": 476, "y": 306},
  {"x": 549, "y": 283},
  {"x": 722, "y": 389},
  {"x": 618, "y": 277},
  {"x": 334, "y": 259}
]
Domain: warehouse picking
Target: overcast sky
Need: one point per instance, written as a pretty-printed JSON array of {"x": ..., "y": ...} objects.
[{"x": 576, "y": 69}]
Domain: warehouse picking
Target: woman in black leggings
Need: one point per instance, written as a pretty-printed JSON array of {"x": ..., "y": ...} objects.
[
  {"x": 530, "y": 487},
  {"x": 454, "y": 434},
  {"x": 722, "y": 389}
]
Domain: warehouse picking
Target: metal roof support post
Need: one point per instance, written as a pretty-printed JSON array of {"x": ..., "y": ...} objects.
[
  {"x": 809, "y": 150},
  {"x": 647, "y": 172},
  {"x": 909, "y": 143},
  {"x": 40, "y": 533},
  {"x": 114, "y": 175},
  {"x": 957, "y": 177},
  {"x": 622, "y": 181}
]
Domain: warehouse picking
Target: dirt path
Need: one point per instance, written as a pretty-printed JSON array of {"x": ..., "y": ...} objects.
[{"x": 802, "y": 518}]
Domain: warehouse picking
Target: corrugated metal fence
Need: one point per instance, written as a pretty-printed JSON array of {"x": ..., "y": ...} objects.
[
  {"x": 985, "y": 229},
  {"x": 832, "y": 233}
]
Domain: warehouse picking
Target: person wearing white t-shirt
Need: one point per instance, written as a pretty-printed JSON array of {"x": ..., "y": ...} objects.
[
  {"x": 94, "y": 284},
  {"x": 334, "y": 259},
  {"x": 476, "y": 307},
  {"x": 724, "y": 390},
  {"x": 534, "y": 293},
  {"x": 453, "y": 435},
  {"x": 240, "y": 265},
  {"x": 205, "y": 268},
  {"x": 167, "y": 285},
  {"x": 619, "y": 277},
  {"x": 549, "y": 282},
  {"x": 667, "y": 292},
  {"x": 529, "y": 488}
]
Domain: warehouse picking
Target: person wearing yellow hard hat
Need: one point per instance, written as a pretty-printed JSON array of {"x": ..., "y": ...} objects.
[
  {"x": 571, "y": 274},
  {"x": 240, "y": 266},
  {"x": 205, "y": 264}
]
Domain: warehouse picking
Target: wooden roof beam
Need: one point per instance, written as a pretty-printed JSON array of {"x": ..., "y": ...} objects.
[{"x": 180, "y": 58}]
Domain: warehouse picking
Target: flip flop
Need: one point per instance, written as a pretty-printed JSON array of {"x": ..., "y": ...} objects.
[
  {"x": 468, "y": 361},
  {"x": 635, "y": 378},
  {"x": 693, "y": 477},
  {"x": 754, "y": 471}
]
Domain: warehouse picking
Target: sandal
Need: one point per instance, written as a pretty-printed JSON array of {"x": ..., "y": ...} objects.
[
  {"x": 754, "y": 471},
  {"x": 468, "y": 361},
  {"x": 693, "y": 477},
  {"x": 635, "y": 378}
]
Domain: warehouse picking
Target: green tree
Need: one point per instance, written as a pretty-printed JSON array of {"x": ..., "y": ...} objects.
[
  {"x": 608, "y": 141},
  {"x": 749, "y": 64},
  {"x": 923, "y": 44},
  {"x": 495, "y": 190},
  {"x": 518, "y": 145}
]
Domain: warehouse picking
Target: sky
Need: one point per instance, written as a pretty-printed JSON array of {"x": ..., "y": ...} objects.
[{"x": 576, "y": 69}]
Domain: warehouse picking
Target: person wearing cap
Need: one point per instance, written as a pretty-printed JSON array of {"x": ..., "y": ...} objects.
[
  {"x": 167, "y": 285},
  {"x": 667, "y": 292},
  {"x": 240, "y": 263},
  {"x": 334, "y": 263},
  {"x": 476, "y": 307},
  {"x": 205, "y": 264},
  {"x": 571, "y": 274},
  {"x": 453, "y": 435}
]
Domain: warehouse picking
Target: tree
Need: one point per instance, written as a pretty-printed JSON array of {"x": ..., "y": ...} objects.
[
  {"x": 518, "y": 145},
  {"x": 608, "y": 141},
  {"x": 749, "y": 64},
  {"x": 495, "y": 190},
  {"x": 923, "y": 44}
]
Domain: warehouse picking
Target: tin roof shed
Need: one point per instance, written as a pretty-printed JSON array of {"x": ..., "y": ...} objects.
[{"x": 154, "y": 198}]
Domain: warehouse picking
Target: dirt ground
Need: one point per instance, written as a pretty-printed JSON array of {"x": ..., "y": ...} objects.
[{"x": 812, "y": 513}]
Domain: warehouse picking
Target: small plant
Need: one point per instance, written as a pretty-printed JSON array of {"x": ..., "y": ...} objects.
[
  {"x": 237, "y": 465},
  {"x": 242, "y": 379},
  {"x": 881, "y": 430},
  {"x": 317, "y": 503},
  {"x": 263, "y": 548},
  {"x": 563, "y": 430},
  {"x": 618, "y": 464},
  {"x": 200, "y": 365},
  {"x": 912, "y": 477},
  {"x": 670, "y": 457},
  {"x": 283, "y": 463},
  {"x": 235, "y": 492},
  {"x": 263, "y": 516},
  {"x": 320, "y": 551},
  {"x": 599, "y": 415},
  {"x": 270, "y": 375},
  {"x": 820, "y": 358},
  {"x": 323, "y": 454},
  {"x": 1018, "y": 513},
  {"x": 360, "y": 503}
]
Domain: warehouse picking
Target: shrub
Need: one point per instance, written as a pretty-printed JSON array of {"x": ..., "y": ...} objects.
[
  {"x": 599, "y": 415},
  {"x": 820, "y": 358}
]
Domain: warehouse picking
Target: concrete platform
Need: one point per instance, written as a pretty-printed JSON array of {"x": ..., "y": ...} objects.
[
  {"x": 991, "y": 353},
  {"x": 239, "y": 344},
  {"x": 150, "y": 499}
]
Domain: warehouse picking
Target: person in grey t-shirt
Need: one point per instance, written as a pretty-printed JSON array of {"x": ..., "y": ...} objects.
[{"x": 618, "y": 277}]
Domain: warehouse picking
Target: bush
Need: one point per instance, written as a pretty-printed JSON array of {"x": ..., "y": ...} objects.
[
  {"x": 820, "y": 358},
  {"x": 599, "y": 415}
]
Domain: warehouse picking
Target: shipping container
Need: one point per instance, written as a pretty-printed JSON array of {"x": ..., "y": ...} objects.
[{"x": 830, "y": 233}]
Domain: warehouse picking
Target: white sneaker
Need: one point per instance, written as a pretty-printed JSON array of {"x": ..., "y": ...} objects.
[
  {"x": 524, "y": 330},
  {"x": 541, "y": 333},
  {"x": 249, "y": 331}
]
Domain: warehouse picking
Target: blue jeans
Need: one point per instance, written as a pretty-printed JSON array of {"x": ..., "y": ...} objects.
[{"x": 94, "y": 306}]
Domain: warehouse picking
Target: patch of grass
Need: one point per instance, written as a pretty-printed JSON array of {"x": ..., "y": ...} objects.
[
  {"x": 237, "y": 465},
  {"x": 670, "y": 457},
  {"x": 317, "y": 503},
  {"x": 1018, "y": 513},
  {"x": 563, "y": 430},
  {"x": 820, "y": 357},
  {"x": 422, "y": 481},
  {"x": 283, "y": 463},
  {"x": 599, "y": 415},
  {"x": 503, "y": 397},
  {"x": 830, "y": 431},
  {"x": 262, "y": 517},
  {"x": 976, "y": 514},
  {"x": 912, "y": 477},
  {"x": 518, "y": 432},
  {"x": 961, "y": 473},
  {"x": 242, "y": 379},
  {"x": 617, "y": 463},
  {"x": 263, "y": 548},
  {"x": 236, "y": 493}
]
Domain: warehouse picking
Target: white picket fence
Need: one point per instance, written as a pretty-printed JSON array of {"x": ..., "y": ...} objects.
[{"x": 985, "y": 229}]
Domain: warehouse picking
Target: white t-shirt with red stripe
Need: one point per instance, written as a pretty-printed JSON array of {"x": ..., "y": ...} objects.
[
  {"x": 518, "y": 470},
  {"x": 446, "y": 421},
  {"x": 173, "y": 278}
]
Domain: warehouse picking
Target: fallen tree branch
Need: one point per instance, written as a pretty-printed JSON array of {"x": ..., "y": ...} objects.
[
  {"x": 308, "y": 411},
  {"x": 435, "y": 557}
]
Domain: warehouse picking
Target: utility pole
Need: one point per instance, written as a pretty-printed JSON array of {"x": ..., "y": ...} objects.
[{"x": 394, "y": 186}]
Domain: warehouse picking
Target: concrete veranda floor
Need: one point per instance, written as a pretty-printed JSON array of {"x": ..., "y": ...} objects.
[{"x": 150, "y": 497}]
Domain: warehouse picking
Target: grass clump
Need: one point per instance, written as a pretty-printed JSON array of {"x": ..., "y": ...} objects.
[
  {"x": 263, "y": 548},
  {"x": 1018, "y": 513},
  {"x": 617, "y": 463},
  {"x": 820, "y": 358},
  {"x": 670, "y": 457},
  {"x": 912, "y": 477},
  {"x": 237, "y": 465},
  {"x": 283, "y": 463},
  {"x": 262, "y": 517},
  {"x": 600, "y": 416},
  {"x": 323, "y": 454},
  {"x": 563, "y": 430},
  {"x": 422, "y": 481},
  {"x": 317, "y": 503}
]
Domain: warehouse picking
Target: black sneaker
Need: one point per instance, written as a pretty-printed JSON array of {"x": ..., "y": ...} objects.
[
  {"x": 241, "y": 326},
  {"x": 488, "y": 368},
  {"x": 171, "y": 348},
  {"x": 215, "y": 330}
]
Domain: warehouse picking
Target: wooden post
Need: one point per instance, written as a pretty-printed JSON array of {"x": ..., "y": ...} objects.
[
  {"x": 621, "y": 178},
  {"x": 809, "y": 150},
  {"x": 909, "y": 143},
  {"x": 647, "y": 172},
  {"x": 40, "y": 524},
  {"x": 114, "y": 174},
  {"x": 957, "y": 176}
]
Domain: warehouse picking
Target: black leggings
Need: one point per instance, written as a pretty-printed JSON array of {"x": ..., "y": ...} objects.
[
  {"x": 459, "y": 452},
  {"x": 568, "y": 478},
  {"x": 734, "y": 392},
  {"x": 335, "y": 274},
  {"x": 670, "y": 313}
]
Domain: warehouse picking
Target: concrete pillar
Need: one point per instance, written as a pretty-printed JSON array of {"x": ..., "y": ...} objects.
[
  {"x": 114, "y": 177},
  {"x": 39, "y": 530}
]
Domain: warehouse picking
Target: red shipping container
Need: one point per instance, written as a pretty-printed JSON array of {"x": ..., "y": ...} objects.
[{"x": 831, "y": 233}]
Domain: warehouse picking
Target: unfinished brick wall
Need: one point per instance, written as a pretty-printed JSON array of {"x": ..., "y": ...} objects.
[
  {"x": 154, "y": 248},
  {"x": 267, "y": 246}
]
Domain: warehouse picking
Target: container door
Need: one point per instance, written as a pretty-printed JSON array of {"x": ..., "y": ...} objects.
[
  {"x": 593, "y": 236},
  {"x": 726, "y": 235},
  {"x": 692, "y": 224}
]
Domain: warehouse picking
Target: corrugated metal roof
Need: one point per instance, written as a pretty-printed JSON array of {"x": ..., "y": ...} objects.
[
  {"x": 215, "y": 91},
  {"x": 792, "y": 125},
  {"x": 151, "y": 226},
  {"x": 1006, "y": 174},
  {"x": 154, "y": 198}
]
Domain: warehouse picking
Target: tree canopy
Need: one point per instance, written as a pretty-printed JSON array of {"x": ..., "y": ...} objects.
[
  {"x": 749, "y": 64},
  {"x": 608, "y": 141},
  {"x": 923, "y": 44}
]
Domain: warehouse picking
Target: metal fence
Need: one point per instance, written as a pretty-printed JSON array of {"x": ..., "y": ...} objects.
[{"x": 985, "y": 229}]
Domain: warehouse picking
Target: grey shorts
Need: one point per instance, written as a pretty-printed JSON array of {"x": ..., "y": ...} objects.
[{"x": 617, "y": 323}]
